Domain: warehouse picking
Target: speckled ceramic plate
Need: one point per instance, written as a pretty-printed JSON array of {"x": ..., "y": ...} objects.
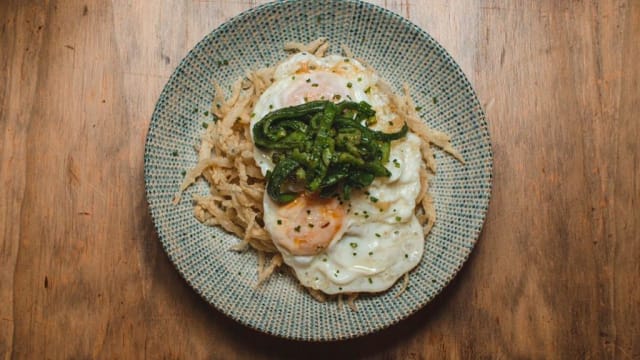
[{"x": 401, "y": 52}]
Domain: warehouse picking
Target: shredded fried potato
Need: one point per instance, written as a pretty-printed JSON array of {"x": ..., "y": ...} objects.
[{"x": 226, "y": 162}]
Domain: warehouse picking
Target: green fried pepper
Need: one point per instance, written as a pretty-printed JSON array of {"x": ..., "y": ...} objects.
[{"x": 324, "y": 147}]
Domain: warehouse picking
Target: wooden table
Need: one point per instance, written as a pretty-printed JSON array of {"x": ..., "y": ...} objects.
[{"x": 555, "y": 273}]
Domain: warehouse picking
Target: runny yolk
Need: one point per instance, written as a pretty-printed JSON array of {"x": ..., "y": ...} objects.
[{"x": 307, "y": 225}]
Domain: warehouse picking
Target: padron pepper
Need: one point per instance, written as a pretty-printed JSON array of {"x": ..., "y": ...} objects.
[{"x": 324, "y": 147}]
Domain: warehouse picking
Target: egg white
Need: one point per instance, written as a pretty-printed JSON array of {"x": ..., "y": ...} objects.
[{"x": 381, "y": 238}]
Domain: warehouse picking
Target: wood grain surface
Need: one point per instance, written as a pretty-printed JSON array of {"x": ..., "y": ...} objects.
[{"x": 555, "y": 273}]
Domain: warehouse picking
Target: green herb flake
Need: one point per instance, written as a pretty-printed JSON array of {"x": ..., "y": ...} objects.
[
  {"x": 205, "y": 125},
  {"x": 310, "y": 225},
  {"x": 398, "y": 218},
  {"x": 353, "y": 245},
  {"x": 308, "y": 80},
  {"x": 370, "y": 253},
  {"x": 174, "y": 153},
  {"x": 354, "y": 254},
  {"x": 359, "y": 79},
  {"x": 297, "y": 228},
  {"x": 367, "y": 90},
  {"x": 370, "y": 281},
  {"x": 406, "y": 256},
  {"x": 314, "y": 85},
  {"x": 378, "y": 235},
  {"x": 435, "y": 100},
  {"x": 206, "y": 113},
  {"x": 279, "y": 222},
  {"x": 418, "y": 108},
  {"x": 184, "y": 172},
  {"x": 195, "y": 111},
  {"x": 349, "y": 85},
  {"x": 374, "y": 199}
]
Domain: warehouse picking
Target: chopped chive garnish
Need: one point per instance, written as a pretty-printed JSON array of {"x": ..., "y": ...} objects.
[
  {"x": 353, "y": 245},
  {"x": 349, "y": 85},
  {"x": 279, "y": 222},
  {"x": 378, "y": 235},
  {"x": 418, "y": 108},
  {"x": 398, "y": 218},
  {"x": 374, "y": 199},
  {"x": 205, "y": 125}
]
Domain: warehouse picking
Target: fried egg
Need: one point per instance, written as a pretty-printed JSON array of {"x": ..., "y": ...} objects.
[{"x": 336, "y": 246}]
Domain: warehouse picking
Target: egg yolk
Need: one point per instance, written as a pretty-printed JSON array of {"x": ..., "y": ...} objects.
[
  {"x": 316, "y": 86},
  {"x": 307, "y": 225}
]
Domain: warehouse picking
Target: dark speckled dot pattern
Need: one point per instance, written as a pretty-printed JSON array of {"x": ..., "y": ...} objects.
[{"x": 401, "y": 52}]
